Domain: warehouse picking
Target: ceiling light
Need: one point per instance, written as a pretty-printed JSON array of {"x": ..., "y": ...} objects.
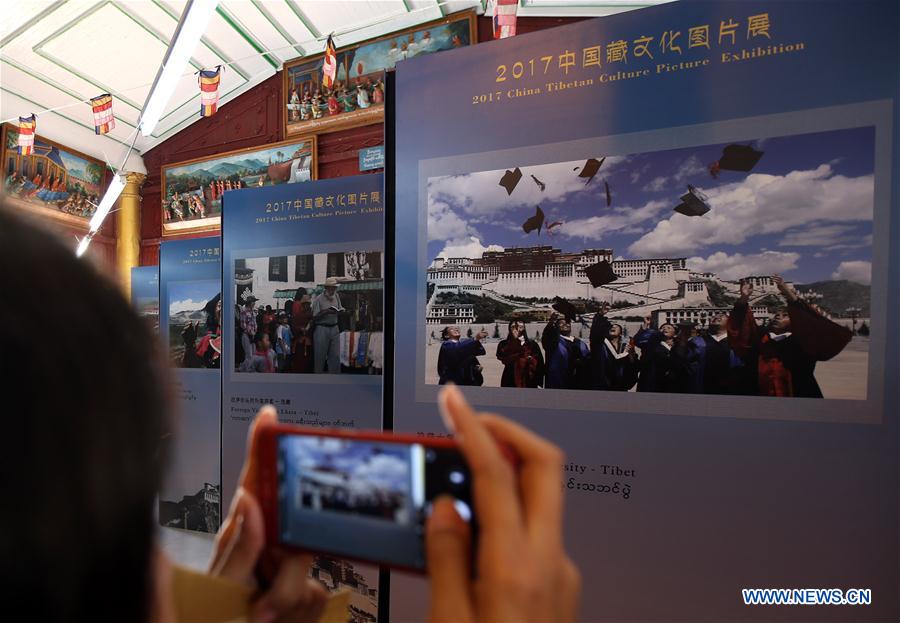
[{"x": 190, "y": 29}]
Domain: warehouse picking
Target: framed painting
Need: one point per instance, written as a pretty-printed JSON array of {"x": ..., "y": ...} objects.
[
  {"x": 358, "y": 94},
  {"x": 55, "y": 182},
  {"x": 192, "y": 190}
]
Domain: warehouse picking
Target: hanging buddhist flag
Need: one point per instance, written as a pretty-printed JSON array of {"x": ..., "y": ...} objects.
[
  {"x": 329, "y": 63},
  {"x": 209, "y": 91},
  {"x": 505, "y": 18},
  {"x": 104, "y": 121},
  {"x": 27, "y": 128}
]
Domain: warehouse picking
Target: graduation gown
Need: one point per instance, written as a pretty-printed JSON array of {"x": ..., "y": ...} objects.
[
  {"x": 786, "y": 364},
  {"x": 612, "y": 368},
  {"x": 457, "y": 362},
  {"x": 663, "y": 368},
  {"x": 720, "y": 370},
  {"x": 568, "y": 361},
  {"x": 523, "y": 364}
]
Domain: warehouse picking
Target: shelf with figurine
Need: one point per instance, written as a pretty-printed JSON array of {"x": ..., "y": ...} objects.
[{"x": 357, "y": 97}]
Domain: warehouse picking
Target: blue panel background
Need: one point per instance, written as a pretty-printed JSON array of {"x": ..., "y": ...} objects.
[
  {"x": 248, "y": 230},
  {"x": 144, "y": 283},
  {"x": 717, "y": 504},
  {"x": 195, "y": 454}
]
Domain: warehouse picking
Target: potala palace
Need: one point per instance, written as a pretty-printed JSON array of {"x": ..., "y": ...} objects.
[{"x": 519, "y": 275}]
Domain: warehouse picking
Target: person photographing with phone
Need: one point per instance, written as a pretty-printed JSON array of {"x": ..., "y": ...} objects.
[{"x": 88, "y": 459}]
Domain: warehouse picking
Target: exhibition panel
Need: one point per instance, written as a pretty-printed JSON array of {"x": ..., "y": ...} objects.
[
  {"x": 190, "y": 330},
  {"x": 596, "y": 226},
  {"x": 304, "y": 271}
]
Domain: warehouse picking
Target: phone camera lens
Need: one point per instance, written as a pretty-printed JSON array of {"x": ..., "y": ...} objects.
[
  {"x": 430, "y": 456},
  {"x": 457, "y": 477}
]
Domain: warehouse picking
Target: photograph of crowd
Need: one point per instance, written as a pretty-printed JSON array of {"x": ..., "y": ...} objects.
[
  {"x": 192, "y": 191},
  {"x": 317, "y": 313},
  {"x": 739, "y": 268},
  {"x": 357, "y": 96},
  {"x": 195, "y": 324},
  {"x": 52, "y": 177},
  {"x": 350, "y": 477}
]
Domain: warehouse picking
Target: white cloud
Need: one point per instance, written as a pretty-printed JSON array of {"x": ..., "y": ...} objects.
[
  {"x": 738, "y": 266},
  {"x": 383, "y": 470},
  {"x": 816, "y": 235},
  {"x": 623, "y": 219},
  {"x": 470, "y": 247},
  {"x": 444, "y": 223},
  {"x": 762, "y": 204},
  {"x": 480, "y": 193},
  {"x": 859, "y": 271},
  {"x": 656, "y": 184},
  {"x": 688, "y": 169},
  {"x": 176, "y": 307}
]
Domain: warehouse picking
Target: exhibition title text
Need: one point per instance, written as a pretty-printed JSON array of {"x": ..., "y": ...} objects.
[
  {"x": 343, "y": 204},
  {"x": 640, "y": 57}
]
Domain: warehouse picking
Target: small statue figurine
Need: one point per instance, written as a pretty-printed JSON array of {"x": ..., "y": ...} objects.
[
  {"x": 295, "y": 105},
  {"x": 305, "y": 108},
  {"x": 334, "y": 108},
  {"x": 378, "y": 92},
  {"x": 317, "y": 111},
  {"x": 362, "y": 94},
  {"x": 347, "y": 101}
]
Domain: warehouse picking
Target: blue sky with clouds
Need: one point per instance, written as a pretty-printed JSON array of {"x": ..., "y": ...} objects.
[
  {"x": 384, "y": 464},
  {"x": 191, "y": 295},
  {"x": 804, "y": 211}
]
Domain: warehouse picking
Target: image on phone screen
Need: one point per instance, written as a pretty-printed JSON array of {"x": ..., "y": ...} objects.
[{"x": 365, "y": 499}]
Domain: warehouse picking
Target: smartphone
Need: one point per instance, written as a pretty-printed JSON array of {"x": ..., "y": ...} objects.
[{"x": 358, "y": 495}]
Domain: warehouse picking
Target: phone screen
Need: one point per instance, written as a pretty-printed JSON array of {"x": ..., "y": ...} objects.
[{"x": 365, "y": 499}]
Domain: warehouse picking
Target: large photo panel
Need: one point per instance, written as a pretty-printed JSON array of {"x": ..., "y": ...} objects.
[
  {"x": 303, "y": 268},
  {"x": 681, "y": 271},
  {"x": 663, "y": 240}
]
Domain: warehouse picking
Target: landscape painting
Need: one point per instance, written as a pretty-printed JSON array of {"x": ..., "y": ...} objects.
[
  {"x": 192, "y": 190},
  {"x": 54, "y": 180}
]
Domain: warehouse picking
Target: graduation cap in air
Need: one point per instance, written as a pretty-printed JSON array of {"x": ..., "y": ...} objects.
[
  {"x": 608, "y": 194},
  {"x": 600, "y": 274},
  {"x": 739, "y": 158},
  {"x": 565, "y": 308},
  {"x": 534, "y": 222},
  {"x": 590, "y": 169},
  {"x": 540, "y": 184},
  {"x": 549, "y": 229},
  {"x": 510, "y": 179},
  {"x": 693, "y": 203}
]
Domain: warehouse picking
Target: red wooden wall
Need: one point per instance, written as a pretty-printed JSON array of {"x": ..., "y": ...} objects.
[{"x": 254, "y": 119}]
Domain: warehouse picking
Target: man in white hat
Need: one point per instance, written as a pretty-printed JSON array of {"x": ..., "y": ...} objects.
[{"x": 327, "y": 336}]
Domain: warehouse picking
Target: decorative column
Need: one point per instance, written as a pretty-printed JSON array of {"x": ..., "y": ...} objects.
[{"x": 128, "y": 234}]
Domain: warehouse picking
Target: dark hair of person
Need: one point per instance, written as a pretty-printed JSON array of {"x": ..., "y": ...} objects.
[
  {"x": 300, "y": 293},
  {"x": 510, "y": 326},
  {"x": 85, "y": 417},
  {"x": 445, "y": 333}
]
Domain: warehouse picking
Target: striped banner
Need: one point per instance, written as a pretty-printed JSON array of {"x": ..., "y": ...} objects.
[
  {"x": 329, "y": 64},
  {"x": 209, "y": 91},
  {"x": 104, "y": 121},
  {"x": 27, "y": 128},
  {"x": 505, "y": 18}
]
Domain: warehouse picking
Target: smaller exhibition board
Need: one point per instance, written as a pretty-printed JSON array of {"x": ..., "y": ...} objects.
[
  {"x": 190, "y": 285},
  {"x": 281, "y": 246},
  {"x": 145, "y": 293}
]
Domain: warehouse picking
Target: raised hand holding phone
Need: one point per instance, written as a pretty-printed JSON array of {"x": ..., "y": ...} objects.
[
  {"x": 522, "y": 570},
  {"x": 242, "y": 555}
]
